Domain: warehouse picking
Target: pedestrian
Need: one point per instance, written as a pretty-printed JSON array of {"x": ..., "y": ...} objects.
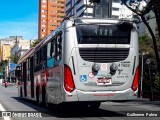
[{"x": 5, "y": 83}]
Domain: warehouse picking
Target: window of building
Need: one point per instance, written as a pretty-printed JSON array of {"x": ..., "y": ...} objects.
[
  {"x": 52, "y": 0},
  {"x": 43, "y": 15},
  {"x": 43, "y": 20},
  {"x": 53, "y": 10},
  {"x": 116, "y": 17},
  {"x": 52, "y": 15},
  {"x": 43, "y": 30},
  {"x": 43, "y": 25},
  {"x": 60, "y": 16},
  {"x": 53, "y": 25},
  {"x": 115, "y": 1},
  {"x": 43, "y": 10},
  {"x": 52, "y": 20},
  {"x": 53, "y": 6},
  {"x": 68, "y": 3},
  {"x": 102, "y": 10},
  {"x": 44, "y": 1},
  {"x": 60, "y": 12},
  {"x": 44, "y": 6},
  {"x": 60, "y": 2},
  {"x": 60, "y": 7},
  {"x": 115, "y": 9}
]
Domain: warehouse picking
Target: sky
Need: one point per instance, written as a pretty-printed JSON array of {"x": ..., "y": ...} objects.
[{"x": 19, "y": 18}]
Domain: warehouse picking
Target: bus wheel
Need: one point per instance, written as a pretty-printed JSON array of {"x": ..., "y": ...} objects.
[
  {"x": 37, "y": 96},
  {"x": 21, "y": 94},
  {"x": 46, "y": 100},
  {"x": 43, "y": 96},
  {"x": 94, "y": 105}
]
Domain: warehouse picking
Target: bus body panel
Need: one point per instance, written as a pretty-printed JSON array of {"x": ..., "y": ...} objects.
[{"x": 102, "y": 85}]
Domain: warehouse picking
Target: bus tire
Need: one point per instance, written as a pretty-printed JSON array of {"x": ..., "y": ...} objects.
[
  {"x": 37, "y": 96},
  {"x": 46, "y": 101},
  {"x": 94, "y": 105},
  {"x": 21, "y": 93},
  {"x": 43, "y": 96}
]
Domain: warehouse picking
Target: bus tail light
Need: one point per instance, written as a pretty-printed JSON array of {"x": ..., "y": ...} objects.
[
  {"x": 68, "y": 79},
  {"x": 135, "y": 81}
]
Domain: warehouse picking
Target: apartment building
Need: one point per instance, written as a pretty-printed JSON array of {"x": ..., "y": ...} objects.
[
  {"x": 6, "y": 44},
  {"x": 13, "y": 44},
  {"x": 20, "y": 47},
  {"x": 104, "y": 9},
  {"x": 51, "y": 13},
  {"x": 5, "y": 51}
]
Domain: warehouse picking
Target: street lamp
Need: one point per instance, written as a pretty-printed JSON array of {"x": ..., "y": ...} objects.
[{"x": 142, "y": 54}]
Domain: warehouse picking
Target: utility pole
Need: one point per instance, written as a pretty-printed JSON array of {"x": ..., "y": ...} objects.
[
  {"x": 150, "y": 82},
  {"x": 142, "y": 75},
  {"x": 142, "y": 54}
]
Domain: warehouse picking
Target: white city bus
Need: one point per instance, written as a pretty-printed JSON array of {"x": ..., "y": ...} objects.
[{"x": 84, "y": 60}]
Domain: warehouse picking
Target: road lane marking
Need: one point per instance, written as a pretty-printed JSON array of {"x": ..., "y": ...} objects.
[{"x": 2, "y": 109}]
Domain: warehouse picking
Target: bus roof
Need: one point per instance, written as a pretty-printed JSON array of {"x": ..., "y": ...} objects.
[{"x": 74, "y": 20}]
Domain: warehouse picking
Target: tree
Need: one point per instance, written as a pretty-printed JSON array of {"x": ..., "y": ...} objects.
[
  {"x": 155, "y": 5},
  {"x": 3, "y": 63},
  {"x": 15, "y": 58},
  {"x": 36, "y": 42},
  {"x": 134, "y": 6},
  {"x": 145, "y": 44}
]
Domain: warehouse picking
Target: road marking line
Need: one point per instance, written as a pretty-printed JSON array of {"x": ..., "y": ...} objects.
[{"x": 2, "y": 109}]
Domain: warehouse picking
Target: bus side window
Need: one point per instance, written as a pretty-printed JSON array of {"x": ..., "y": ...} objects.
[
  {"x": 50, "y": 59},
  {"x": 42, "y": 54},
  {"x": 27, "y": 67},
  {"x": 59, "y": 47},
  {"x": 52, "y": 52},
  {"x": 48, "y": 50},
  {"x": 35, "y": 59}
]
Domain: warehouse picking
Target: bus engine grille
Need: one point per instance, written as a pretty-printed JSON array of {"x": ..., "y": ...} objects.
[{"x": 104, "y": 55}]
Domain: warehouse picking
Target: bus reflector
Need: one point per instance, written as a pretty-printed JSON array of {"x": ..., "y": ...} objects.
[
  {"x": 68, "y": 79},
  {"x": 135, "y": 81}
]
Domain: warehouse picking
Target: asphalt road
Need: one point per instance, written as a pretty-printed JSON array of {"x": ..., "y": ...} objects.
[{"x": 10, "y": 101}]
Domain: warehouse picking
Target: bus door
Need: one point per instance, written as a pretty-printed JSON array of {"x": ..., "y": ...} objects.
[
  {"x": 24, "y": 78},
  {"x": 32, "y": 77}
]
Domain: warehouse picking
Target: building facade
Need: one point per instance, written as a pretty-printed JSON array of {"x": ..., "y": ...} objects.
[
  {"x": 13, "y": 44},
  {"x": 51, "y": 13},
  {"x": 153, "y": 24},
  {"x": 104, "y": 9},
  {"x": 20, "y": 47},
  {"x": 4, "y": 46},
  {"x": 5, "y": 51}
]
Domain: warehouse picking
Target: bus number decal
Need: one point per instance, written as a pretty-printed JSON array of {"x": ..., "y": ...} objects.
[{"x": 125, "y": 64}]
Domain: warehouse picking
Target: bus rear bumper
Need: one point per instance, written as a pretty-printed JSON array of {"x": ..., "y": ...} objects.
[{"x": 127, "y": 94}]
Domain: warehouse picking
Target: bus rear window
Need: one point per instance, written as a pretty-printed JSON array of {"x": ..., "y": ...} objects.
[{"x": 102, "y": 34}]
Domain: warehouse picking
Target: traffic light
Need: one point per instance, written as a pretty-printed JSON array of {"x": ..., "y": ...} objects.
[{"x": 95, "y": 1}]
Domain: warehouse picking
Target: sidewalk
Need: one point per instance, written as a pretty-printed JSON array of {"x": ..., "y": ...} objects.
[
  {"x": 9, "y": 84},
  {"x": 146, "y": 101}
]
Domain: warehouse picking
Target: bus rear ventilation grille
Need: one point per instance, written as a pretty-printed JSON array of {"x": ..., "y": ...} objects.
[{"x": 104, "y": 55}]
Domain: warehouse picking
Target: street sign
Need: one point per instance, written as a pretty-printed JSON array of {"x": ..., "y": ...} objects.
[{"x": 148, "y": 61}]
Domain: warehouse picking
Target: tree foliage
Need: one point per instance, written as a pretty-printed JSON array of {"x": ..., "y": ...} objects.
[
  {"x": 151, "y": 5},
  {"x": 14, "y": 58},
  {"x": 35, "y": 42},
  {"x": 3, "y": 63},
  {"x": 146, "y": 45}
]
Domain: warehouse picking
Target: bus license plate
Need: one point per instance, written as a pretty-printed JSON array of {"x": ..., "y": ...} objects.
[{"x": 104, "y": 81}]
